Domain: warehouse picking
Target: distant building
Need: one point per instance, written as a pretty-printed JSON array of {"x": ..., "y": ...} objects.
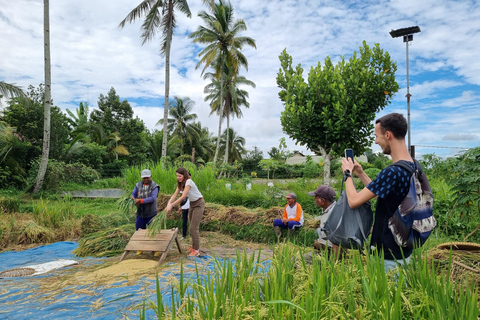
[{"x": 299, "y": 158}]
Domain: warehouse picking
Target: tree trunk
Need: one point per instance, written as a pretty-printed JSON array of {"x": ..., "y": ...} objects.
[
  {"x": 225, "y": 160},
  {"x": 47, "y": 99},
  {"x": 167, "y": 85},
  {"x": 327, "y": 160},
  {"x": 193, "y": 155},
  {"x": 221, "y": 111}
]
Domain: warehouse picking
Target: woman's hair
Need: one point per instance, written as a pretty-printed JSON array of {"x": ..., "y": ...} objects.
[{"x": 186, "y": 176}]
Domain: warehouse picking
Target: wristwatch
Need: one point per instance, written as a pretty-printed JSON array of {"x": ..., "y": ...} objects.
[{"x": 346, "y": 174}]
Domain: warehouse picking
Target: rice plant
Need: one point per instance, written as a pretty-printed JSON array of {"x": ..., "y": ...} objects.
[
  {"x": 53, "y": 215},
  {"x": 289, "y": 288},
  {"x": 106, "y": 243},
  {"x": 157, "y": 224}
]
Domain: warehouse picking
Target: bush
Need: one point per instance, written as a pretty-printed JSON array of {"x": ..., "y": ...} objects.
[{"x": 59, "y": 172}]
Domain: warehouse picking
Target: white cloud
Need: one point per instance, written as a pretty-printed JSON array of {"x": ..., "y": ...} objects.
[{"x": 90, "y": 54}]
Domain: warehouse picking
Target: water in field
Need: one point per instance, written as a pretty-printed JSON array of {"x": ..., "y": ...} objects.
[{"x": 78, "y": 292}]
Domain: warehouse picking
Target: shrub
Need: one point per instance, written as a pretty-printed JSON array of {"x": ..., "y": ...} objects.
[{"x": 59, "y": 172}]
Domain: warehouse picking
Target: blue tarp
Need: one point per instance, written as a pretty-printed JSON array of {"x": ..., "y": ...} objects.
[{"x": 35, "y": 298}]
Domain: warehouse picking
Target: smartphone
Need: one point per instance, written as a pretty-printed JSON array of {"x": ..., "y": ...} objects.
[{"x": 349, "y": 154}]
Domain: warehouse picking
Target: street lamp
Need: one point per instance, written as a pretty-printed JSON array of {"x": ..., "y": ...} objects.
[{"x": 407, "y": 34}]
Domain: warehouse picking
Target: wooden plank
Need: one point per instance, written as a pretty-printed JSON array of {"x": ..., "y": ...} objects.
[
  {"x": 164, "y": 255},
  {"x": 162, "y": 243},
  {"x": 147, "y": 245},
  {"x": 178, "y": 245},
  {"x": 123, "y": 255},
  {"x": 161, "y": 236}
]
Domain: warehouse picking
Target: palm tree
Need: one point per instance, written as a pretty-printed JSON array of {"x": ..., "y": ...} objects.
[
  {"x": 204, "y": 145},
  {"x": 159, "y": 15},
  {"x": 9, "y": 90},
  {"x": 48, "y": 97},
  {"x": 234, "y": 97},
  {"x": 236, "y": 146},
  {"x": 221, "y": 35},
  {"x": 179, "y": 124}
]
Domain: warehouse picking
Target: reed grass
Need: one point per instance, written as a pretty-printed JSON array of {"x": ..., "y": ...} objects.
[{"x": 289, "y": 288}]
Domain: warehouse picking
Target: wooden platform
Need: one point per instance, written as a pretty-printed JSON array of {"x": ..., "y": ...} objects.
[{"x": 162, "y": 243}]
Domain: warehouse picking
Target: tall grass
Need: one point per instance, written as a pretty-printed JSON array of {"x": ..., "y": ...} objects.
[
  {"x": 53, "y": 216},
  {"x": 288, "y": 288}
]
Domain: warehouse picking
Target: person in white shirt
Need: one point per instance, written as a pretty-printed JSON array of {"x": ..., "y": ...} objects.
[{"x": 196, "y": 210}]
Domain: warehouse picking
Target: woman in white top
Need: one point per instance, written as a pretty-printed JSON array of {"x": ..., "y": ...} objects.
[{"x": 196, "y": 210}]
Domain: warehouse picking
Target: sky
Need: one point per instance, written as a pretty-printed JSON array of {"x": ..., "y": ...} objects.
[{"x": 90, "y": 54}]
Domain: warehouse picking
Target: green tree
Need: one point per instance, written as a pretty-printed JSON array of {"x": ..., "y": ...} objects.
[
  {"x": 335, "y": 109},
  {"x": 113, "y": 116},
  {"x": 48, "y": 97},
  {"x": 203, "y": 147},
  {"x": 236, "y": 145},
  {"x": 280, "y": 154},
  {"x": 27, "y": 117},
  {"x": 234, "y": 97},
  {"x": 13, "y": 155},
  {"x": 269, "y": 164},
  {"x": 221, "y": 35},
  {"x": 180, "y": 125},
  {"x": 252, "y": 159},
  {"x": 159, "y": 16}
]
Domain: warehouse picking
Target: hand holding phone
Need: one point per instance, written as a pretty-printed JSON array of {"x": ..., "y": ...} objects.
[{"x": 349, "y": 154}]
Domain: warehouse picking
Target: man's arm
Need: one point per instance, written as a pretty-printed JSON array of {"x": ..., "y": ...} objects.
[{"x": 356, "y": 199}]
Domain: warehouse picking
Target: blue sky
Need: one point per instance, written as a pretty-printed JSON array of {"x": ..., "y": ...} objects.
[{"x": 90, "y": 54}]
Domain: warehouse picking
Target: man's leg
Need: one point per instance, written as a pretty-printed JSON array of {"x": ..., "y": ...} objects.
[
  {"x": 292, "y": 225},
  {"x": 277, "y": 225}
]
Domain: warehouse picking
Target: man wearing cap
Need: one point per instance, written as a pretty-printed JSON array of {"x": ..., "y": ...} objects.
[
  {"x": 292, "y": 216},
  {"x": 145, "y": 195},
  {"x": 324, "y": 198}
]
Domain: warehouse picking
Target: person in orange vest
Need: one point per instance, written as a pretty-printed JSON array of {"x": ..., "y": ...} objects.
[{"x": 292, "y": 217}]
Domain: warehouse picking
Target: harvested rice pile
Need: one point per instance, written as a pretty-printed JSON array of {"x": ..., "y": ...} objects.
[
  {"x": 132, "y": 268},
  {"x": 465, "y": 258}
]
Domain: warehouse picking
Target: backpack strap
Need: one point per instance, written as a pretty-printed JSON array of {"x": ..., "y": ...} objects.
[{"x": 405, "y": 165}]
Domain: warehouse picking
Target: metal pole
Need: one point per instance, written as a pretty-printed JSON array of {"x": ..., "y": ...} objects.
[{"x": 408, "y": 98}]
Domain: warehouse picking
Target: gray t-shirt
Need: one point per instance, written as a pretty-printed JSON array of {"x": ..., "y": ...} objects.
[{"x": 323, "y": 220}]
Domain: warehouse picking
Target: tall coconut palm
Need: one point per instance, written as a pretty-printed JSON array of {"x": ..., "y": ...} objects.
[
  {"x": 236, "y": 146},
  {"x": 159, "y": 16},
  {"x": 234, "y": 97},
  {"x": 221, "y": 35},
  {"x": 179, "y": 125},
  {"x": 48, "y": 97}
]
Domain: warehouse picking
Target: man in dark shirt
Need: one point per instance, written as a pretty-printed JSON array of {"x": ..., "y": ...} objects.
[{"x": 390, "y": 186}]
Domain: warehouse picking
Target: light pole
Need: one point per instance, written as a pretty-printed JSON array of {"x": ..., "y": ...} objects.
[{"x": 407, "y": 34}]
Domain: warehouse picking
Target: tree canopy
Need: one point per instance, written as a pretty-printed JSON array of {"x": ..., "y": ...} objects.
[{"x": 335, "y": 108}]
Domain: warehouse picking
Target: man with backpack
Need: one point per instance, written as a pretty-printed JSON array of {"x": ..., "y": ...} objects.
[{"x": 390, "y": 187}]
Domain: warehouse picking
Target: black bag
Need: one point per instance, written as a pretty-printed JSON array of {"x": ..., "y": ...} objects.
[
  {"x": 183, "y": 202},
  {"x": 346, "y": 227}
]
